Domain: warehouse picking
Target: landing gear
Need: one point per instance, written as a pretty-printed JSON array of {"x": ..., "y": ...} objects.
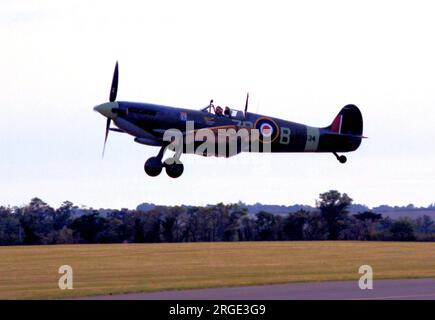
[
  {"x": 175, "y": 168},
  {"x": 154, "y": 165},
  {"x": 341, "y": 159}
]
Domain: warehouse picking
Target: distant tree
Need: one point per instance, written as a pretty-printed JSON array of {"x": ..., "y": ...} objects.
[
  {"x": 113, "y": 231},
  {"x": 247, "y": 231},
  {"x": 194, "y": 225},
  {"x": 266, "y": 226},
  {"x": 206, "y": 223},
  {"x": 62, "y": 236},
  {"x": 295, "y": 224},
  {"x": 351, "y": 229},
  {"x": 402, "y": 230},
  {"x": 36, "y": 220},
  {"x": 138, "y": 233},
  {"x": 315, "y": 227},
  {"x": 127, "y": 217},
  {"x": 215, "y": 218},
  {"x": 358, "y": 229},
  {"x": 333, "y": 207},
  {"x": 62, "y": 215},
  {"x": 172, "y": 223},
  {"x": 361, "y": 226},
  {"x": 385, "y": 223},
  {"x": 10, "y": 227},
  {"x": 168, "y": 226},
  {"x": 38, "y": 223},
  {"x": 424, "y": 224},
  {"x": 233, "y": 223},
  {"x": 151, "y": 226},
  {"x": 279, "y": 229},
  {"x": 87, "y": 228},
  {"x": 368, "y": 215},
  {"x": 383, "y": 227}
]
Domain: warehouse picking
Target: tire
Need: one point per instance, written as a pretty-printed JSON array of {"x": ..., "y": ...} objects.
[
  {"x": 342, "y": 159},
  {"x": 174, "y": 170},
  {"x": 153, "y": 167}
]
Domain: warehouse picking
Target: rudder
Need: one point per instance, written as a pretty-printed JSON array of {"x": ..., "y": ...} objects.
[{"x": 348, "y": 121}]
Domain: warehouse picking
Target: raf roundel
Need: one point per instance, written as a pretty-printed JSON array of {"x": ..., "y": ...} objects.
[{"x": 267, "y": 128}]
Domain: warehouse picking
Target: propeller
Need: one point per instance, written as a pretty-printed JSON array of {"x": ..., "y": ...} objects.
[
  {"x": 114, "y": 88},
  {"x": 106, "y": 135},
  {"x": 112, "y": 98},
  {"x": 246, "y": 104}
]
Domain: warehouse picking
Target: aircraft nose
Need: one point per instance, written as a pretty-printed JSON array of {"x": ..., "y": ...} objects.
[{"x": 106, "y": 109}]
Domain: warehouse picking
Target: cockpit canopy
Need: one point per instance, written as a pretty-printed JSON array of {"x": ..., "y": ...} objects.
[{"x": 231, "y": 113}]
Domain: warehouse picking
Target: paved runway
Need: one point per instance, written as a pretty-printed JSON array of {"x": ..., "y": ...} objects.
[{"x": 410, "y": 289}]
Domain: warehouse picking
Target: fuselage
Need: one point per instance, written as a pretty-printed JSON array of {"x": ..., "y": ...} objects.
[{"x": 148, "y": 122}]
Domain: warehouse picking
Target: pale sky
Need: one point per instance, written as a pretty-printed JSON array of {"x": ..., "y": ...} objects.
[{"x": 300, "y": 60}]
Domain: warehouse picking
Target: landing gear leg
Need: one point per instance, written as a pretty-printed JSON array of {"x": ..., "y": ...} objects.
[
  {"x": 341, "y": 159},
  {"x": 153, "y": 166}
]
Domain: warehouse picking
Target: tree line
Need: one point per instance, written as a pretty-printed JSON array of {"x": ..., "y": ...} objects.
[{"x": 38, "y": 223}]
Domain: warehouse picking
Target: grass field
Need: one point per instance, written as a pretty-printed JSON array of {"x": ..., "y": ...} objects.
[{"x": 32, "y": 272}]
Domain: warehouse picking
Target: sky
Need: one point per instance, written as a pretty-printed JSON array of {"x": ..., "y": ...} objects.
[{"x": 300, "y": 60}]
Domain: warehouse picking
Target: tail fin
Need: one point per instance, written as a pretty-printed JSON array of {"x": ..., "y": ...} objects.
[{"x": 348, "y": 121}]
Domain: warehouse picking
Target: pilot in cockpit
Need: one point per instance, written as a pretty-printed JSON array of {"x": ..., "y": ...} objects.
[
  {"x": 219, "y": 111},
  {"x": 227, "y": 112}
]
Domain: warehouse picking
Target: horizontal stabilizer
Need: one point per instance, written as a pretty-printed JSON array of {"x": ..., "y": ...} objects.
[{"x": 345, "y": 135}]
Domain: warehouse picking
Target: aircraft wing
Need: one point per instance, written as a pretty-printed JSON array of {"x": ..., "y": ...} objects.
[{"x": 230, "y": 131}]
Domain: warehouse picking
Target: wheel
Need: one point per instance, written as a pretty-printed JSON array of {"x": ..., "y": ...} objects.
[
  {"x": 153, "y": 166},
  {"x": 342, "y": 159},
  {"x": 175, "y": 169}
]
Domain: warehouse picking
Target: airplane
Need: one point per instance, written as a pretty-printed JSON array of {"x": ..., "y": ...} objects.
[{"x": 148, "y": 123}]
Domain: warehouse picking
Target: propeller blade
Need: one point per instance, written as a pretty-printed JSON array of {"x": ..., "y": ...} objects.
[
  {"x": 114, "y": 88},
  {"x": 246, "y": 104},
  {"x": 107, "y": 134}
]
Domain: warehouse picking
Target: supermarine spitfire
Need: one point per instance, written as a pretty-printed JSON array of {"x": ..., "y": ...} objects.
[{"x": 211, "y": 131}]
